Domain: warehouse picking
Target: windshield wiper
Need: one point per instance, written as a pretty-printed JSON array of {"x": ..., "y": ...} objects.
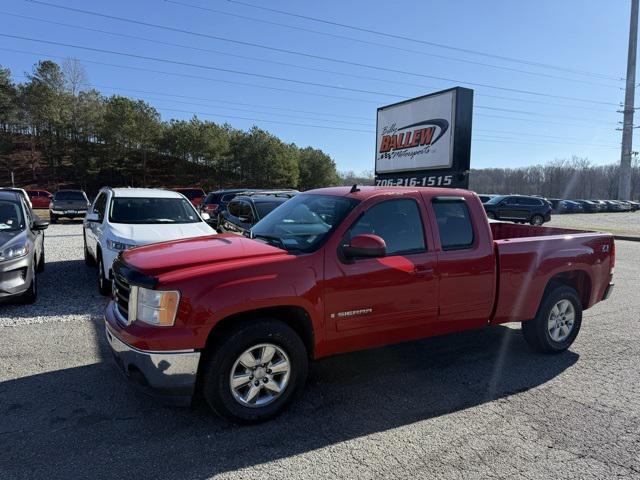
[{"x": 270, "y": 239}]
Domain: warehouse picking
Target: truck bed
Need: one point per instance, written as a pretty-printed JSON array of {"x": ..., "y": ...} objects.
[
  {"x": 529, "y": 257},
  {"x": 505, "y": 231}
]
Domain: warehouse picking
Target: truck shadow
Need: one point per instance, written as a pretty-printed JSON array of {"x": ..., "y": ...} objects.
[{"x": 86, "y": 420}]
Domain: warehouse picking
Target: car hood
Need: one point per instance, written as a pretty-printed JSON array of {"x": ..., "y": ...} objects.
[
  {"x": 7, "y": 237},
  {"x": 169, "y": 256},
  {"x": 144, "y": 234}
]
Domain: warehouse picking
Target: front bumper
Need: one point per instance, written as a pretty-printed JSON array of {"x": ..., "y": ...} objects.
[
  {"x": 15, "y": 276},
  {"x": 608, "y": 291},
  {"x": 169, "y": 375}
]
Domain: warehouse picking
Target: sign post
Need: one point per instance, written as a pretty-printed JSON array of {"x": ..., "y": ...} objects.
[{"x": 425, "y": 141}]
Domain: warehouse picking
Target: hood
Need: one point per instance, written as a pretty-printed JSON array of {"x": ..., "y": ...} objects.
[
  {"x": 144, "y": 234},
  {"x": 169, "y": 256},
  {"x": 7, "y": 237}
]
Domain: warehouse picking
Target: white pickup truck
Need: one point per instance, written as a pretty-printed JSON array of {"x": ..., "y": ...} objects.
[{"x": 123, "y": 218}]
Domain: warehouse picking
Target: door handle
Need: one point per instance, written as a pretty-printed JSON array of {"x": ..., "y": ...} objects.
[{"x": 422, "y": 271}]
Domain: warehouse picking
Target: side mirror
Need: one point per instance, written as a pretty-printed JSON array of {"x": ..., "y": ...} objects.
[
  {"x": 92, "y": 217},
  {"x": 40, "y": 224},
  {"x": 366, "y": 245},
  {"x": 205, "y": 216}
]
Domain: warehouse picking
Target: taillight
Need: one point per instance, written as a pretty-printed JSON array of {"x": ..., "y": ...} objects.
[
  {"x": 211, "y": 207},
  {"x": 613, "y": 255}
]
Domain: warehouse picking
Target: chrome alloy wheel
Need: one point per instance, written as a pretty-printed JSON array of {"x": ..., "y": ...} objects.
[
  {"x": 260, "y": 375},
  {"x": 561, "y": 320}
]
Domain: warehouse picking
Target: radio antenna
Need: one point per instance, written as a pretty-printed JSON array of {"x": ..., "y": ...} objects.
[{"x": 354, "y": 189}]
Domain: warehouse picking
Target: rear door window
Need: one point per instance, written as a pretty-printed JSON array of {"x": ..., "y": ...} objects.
[{"x": 454, "y": 224}]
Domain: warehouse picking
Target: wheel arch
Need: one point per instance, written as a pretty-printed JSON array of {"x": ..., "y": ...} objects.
[
  {"x": 296, "y": 317},
  {"x": 579, "y": 280}
]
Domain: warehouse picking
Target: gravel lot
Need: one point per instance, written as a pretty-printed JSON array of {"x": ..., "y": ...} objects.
[
  {"x": 620, "y": 223},
  {"x": 472, "y": 405}
]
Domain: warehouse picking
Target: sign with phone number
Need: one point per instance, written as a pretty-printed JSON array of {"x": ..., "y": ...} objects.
[{"x": 418, "y": 181}]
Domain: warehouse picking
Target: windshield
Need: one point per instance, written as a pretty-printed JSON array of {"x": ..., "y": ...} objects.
[
  {"x": 10, "y": 216},
  {"x": 152, "y": 210},
  {"x": 303, "y": 223},
  {"x": 74, "y": 196}
]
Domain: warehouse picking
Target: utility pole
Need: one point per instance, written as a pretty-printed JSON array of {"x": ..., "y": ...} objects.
[{"x": 624, "y": 185}]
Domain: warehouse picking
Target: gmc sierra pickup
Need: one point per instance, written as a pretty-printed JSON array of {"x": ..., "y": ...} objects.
[{"x": 335, "y": 270}]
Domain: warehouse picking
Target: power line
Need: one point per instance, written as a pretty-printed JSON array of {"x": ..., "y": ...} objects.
[
  {"x": 424, "y": 42},
  {"x": 252, "y": 74},
  {"x": 196, "y": 65},
  {"x": 497, "y": 137},
  {"x": 272, "y": 107},
  {"x": 199, "y": 77},
  {"x": 395, "y": 82},
  {"x": 222, "y": 115},
  {"x": 319, "y": 57},
  {"x": 529, "y": 134},
  {"x": 384, "y": 45}
]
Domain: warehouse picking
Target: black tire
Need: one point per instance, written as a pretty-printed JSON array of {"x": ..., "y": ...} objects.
[
  {"x": 40, "y": 266},
  {"x": 536, "y": 332},
  {"x": 104, "y": 284},
  {"x": 53, "y": 219},
  {"x": 537, "y": 220},
  {"x": 223, "y": 355},
  {"x": 29, "y": 297},
  {"x": 88, "y": 259},
  {"x": 491, "y": 215}
]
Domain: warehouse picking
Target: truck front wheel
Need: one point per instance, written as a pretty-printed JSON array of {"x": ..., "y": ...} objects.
[
  {"x": 254, "y": 371},
  {"x": 557, "y": 322}
]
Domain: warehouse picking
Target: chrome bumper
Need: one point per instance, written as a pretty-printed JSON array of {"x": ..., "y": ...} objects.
[{"x": 169, "y": 375}]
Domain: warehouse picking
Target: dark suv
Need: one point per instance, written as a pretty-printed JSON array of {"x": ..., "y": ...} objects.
[
  {"x": 68, "y": 203},
  {"x": 216, "y": 202},
  {"x": 519, "y": 209},
  {"x": 245, "y": 210}
]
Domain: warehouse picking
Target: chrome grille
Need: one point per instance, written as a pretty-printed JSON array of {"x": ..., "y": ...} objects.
[{"x": 121, "y": 291}]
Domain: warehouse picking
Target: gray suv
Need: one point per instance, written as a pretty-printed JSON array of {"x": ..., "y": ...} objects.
[
  {"x": 21, "y": 249},
  {"x": 68, "y": 203}
]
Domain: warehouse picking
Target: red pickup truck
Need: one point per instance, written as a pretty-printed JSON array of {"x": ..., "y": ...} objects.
[{"x": 335, "y": 270}]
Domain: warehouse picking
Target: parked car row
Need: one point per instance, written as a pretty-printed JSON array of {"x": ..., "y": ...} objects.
[
  {"x": 592, "y": 206},
  {"x": 119, "y": 219},
  {"x": 559, "y": 205}
]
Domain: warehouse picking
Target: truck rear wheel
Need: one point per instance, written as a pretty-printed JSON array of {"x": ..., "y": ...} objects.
[
  {"x": 557, "y": 322},
  {"x": 254, "y": 371}
]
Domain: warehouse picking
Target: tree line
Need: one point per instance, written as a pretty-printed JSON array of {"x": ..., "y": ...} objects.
[
  {"x": 55, "y": 132},
  {"x": 575, "y": 178}
]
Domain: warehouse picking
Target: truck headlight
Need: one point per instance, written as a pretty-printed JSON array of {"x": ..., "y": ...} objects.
[
  {"x": 14, "y": 251},
  {"x": 155, "y": 307},
  {"x": 118, "y": 246}
]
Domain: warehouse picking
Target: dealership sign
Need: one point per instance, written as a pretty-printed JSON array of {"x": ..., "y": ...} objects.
[{"x": 425, "y": 141}]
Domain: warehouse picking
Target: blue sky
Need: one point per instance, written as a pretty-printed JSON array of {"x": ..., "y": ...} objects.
[{"x": 517, "y": 129}]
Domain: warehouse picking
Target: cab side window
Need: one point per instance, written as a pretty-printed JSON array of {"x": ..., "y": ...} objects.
[
  {"x": 100, "y": 205},
  {"x": 454, "y": 224},
  {"x": 397, "y": 222}
]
